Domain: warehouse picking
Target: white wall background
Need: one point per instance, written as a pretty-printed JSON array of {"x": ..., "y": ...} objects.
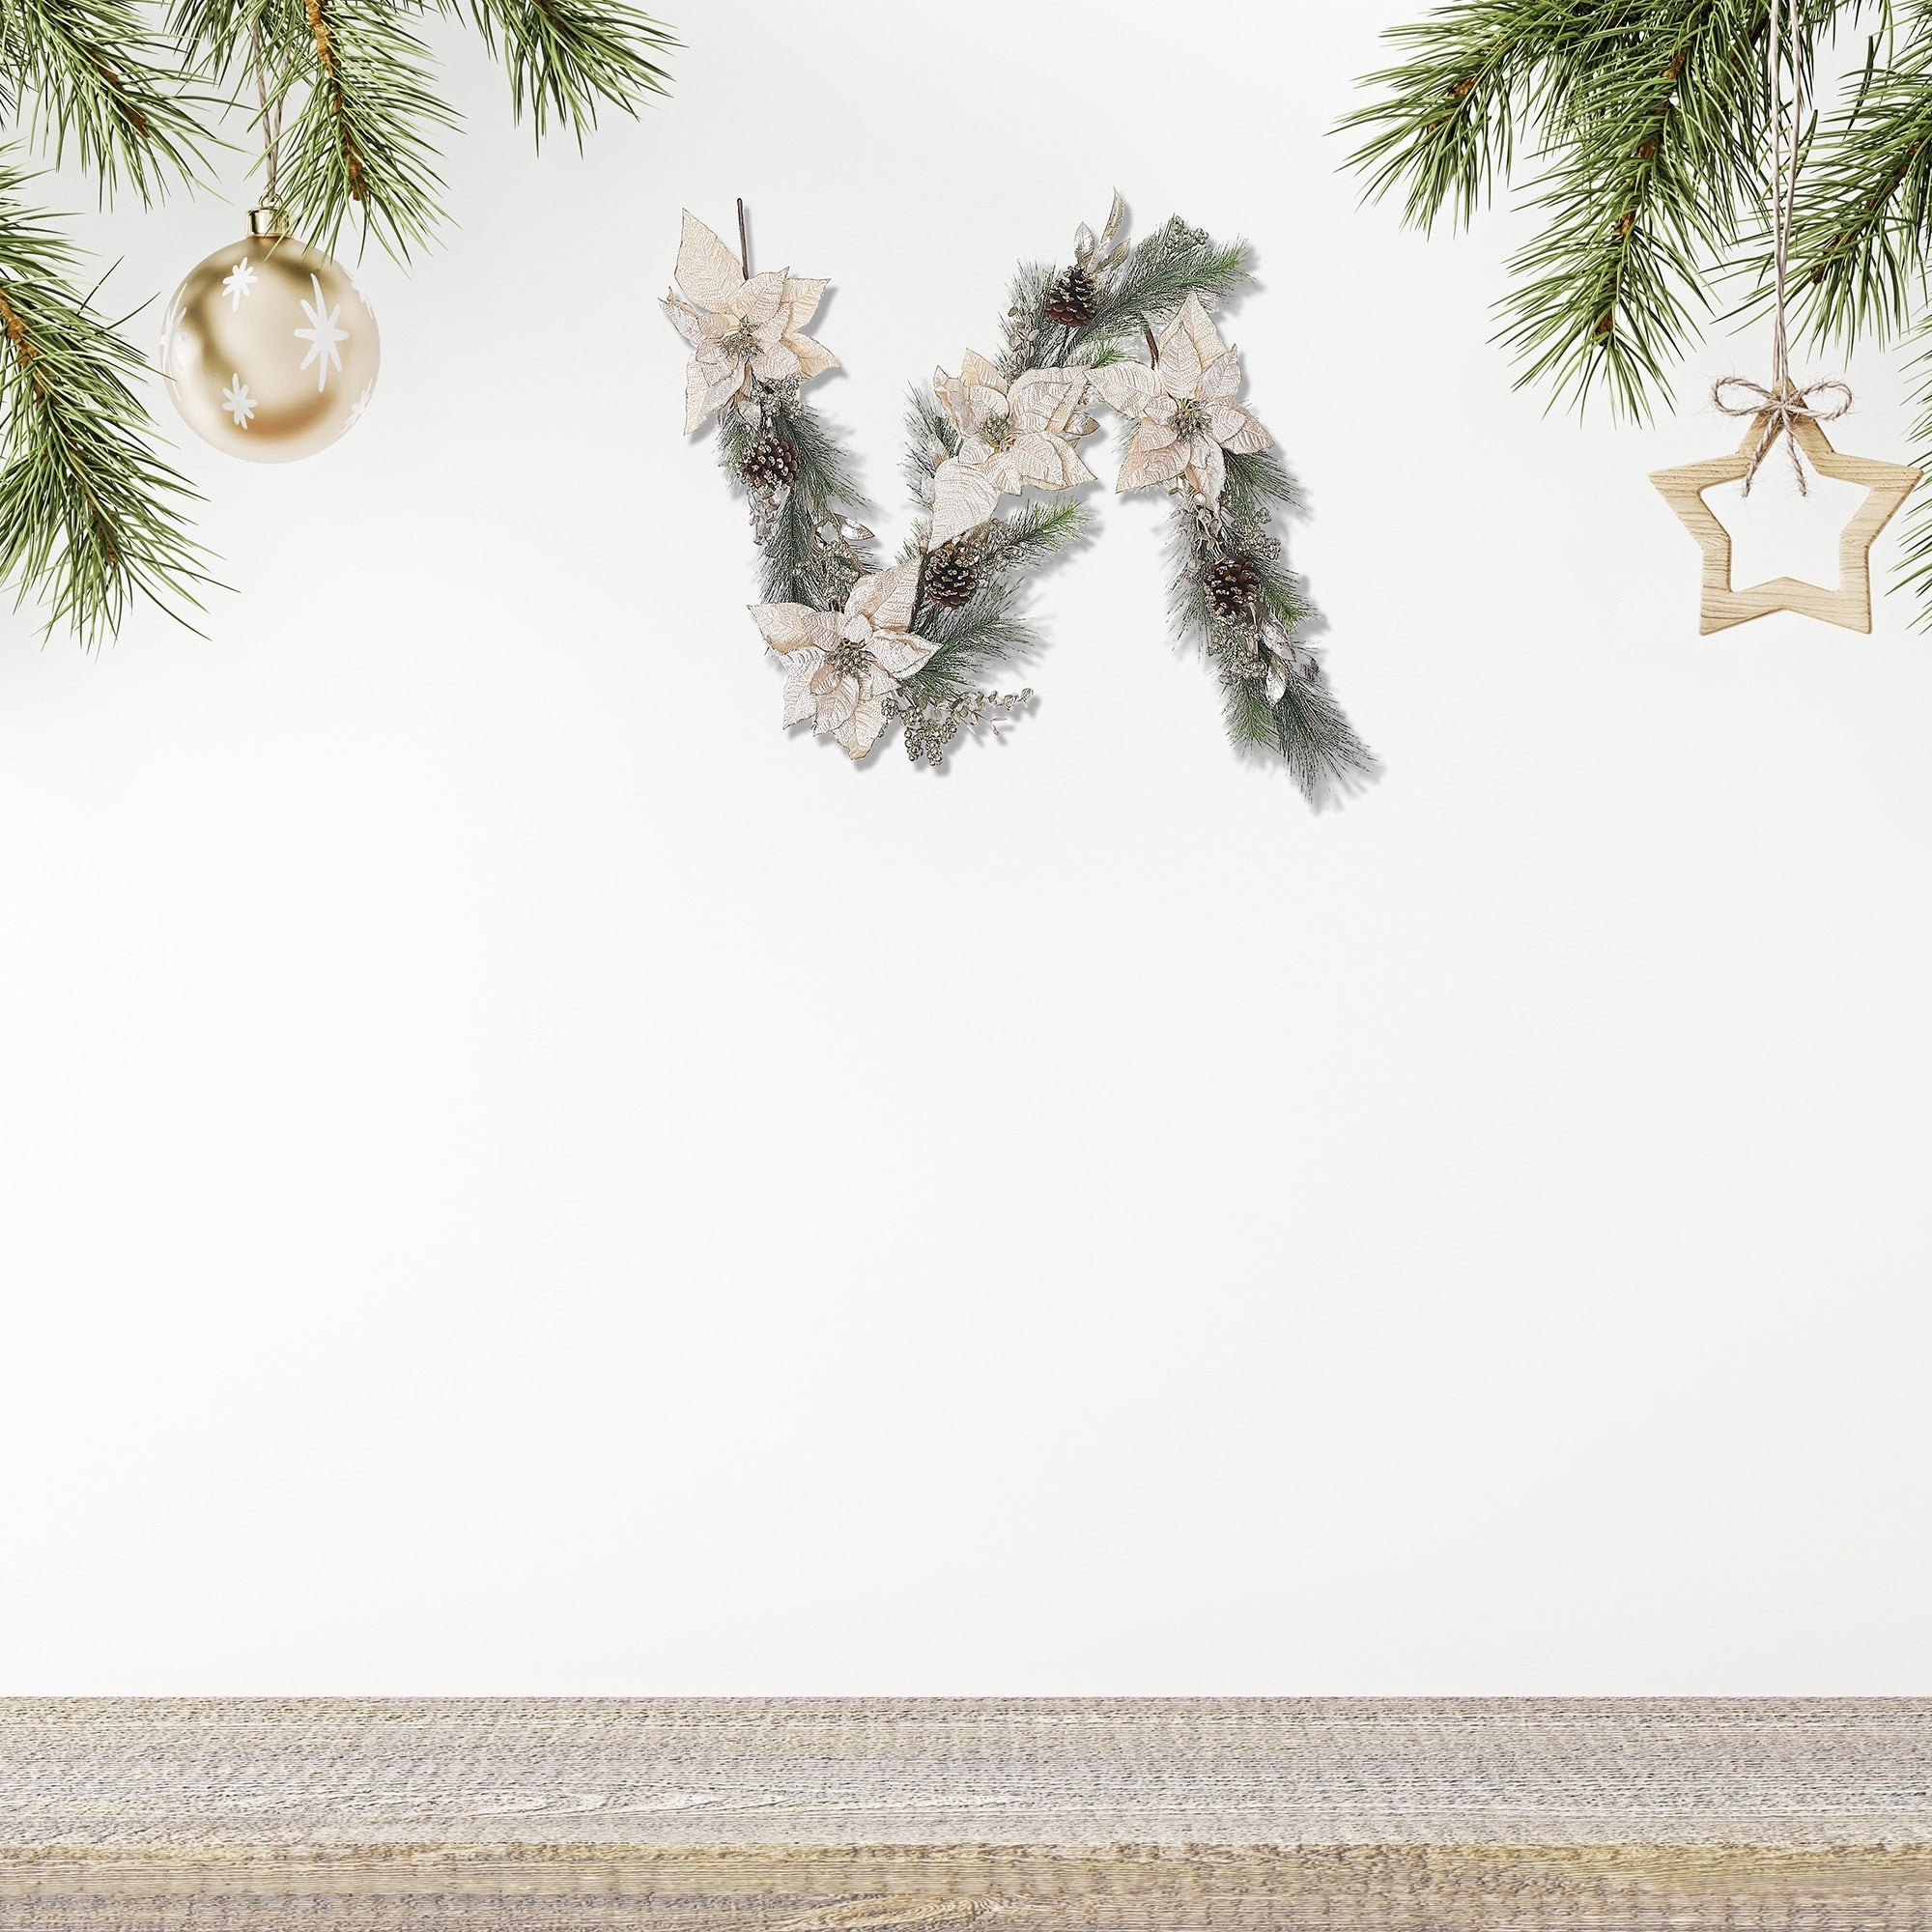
[{"x": 516, "y": 1175}]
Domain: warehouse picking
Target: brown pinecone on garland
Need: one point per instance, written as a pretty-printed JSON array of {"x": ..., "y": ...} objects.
[
  {"x": 1073, "y": 300},
  {"x": 1230, "y": 587},
  {"x": 770, "y": 463},
  {"x": 952, "y": 576}
]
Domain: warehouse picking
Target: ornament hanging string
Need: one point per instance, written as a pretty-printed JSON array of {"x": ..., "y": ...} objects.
[
  {"x": 271, "y": 118},
  {"x": 1780, "y": 407}
]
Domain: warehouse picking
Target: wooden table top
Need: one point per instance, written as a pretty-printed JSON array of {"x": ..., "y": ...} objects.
[{"x": 756, "y": 1815}]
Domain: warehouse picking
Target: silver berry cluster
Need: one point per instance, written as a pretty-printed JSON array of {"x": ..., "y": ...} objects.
[{"x": 932, "y": 723}]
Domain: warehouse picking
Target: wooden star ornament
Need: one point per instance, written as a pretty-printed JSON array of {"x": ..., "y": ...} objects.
[{"x": 1887, "y": 486}]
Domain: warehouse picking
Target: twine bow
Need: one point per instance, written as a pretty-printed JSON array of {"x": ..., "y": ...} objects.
[
  {"x": 1783, "y": 404},
  {"x": 1777, "y": 409}
]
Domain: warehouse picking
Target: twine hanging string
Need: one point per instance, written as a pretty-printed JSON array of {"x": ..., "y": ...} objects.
[
  {"x": 271, "y": 118},
  {"x": 1780, "y": 408}
]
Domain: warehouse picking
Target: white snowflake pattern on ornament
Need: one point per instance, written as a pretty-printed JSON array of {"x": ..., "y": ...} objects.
[
  {"x": 238, "y": 402},
  {"x": 322, "y": 335},
  {"x": 356, "y": 414},
  {"x": 240, "y": 281}
]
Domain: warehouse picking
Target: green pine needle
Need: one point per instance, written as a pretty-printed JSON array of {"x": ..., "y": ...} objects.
[
  {"x": 90, "y": 519},
  {"x": 567, "y": 57}
]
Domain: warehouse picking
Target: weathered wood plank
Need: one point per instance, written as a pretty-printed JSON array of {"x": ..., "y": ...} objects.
[{"x": 1169, "y": 1815}]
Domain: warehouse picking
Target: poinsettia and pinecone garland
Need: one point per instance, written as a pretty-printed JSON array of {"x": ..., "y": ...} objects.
[{"x": 866, "y": 644}]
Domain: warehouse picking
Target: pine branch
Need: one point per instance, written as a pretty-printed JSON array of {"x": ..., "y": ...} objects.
[
  {"x": 973, "y": 641},
  {"x": 1865, "y": 217},
  {"x": 807, "y": 558},
  {"x": 1278, "y": 701},
  {"x": 1660, "y": 144},
  {"x": 361, "y": 140},
  {"x": 90, "y": 518},
  {"x": 1650, "y": 118},
  {"x": 1447, "y": 128},
  {"x": 567, "y": 57},
  {"x": 1915, "y": 569},
  {"x": 100, "y": 79},
  {"x": 1153, "y": 284},
  {"x": 1029, "y": 536},
  {"x": 928, "y": 429}
]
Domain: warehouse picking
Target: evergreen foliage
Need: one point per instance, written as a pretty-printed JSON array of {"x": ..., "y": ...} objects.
[
  {"x": 91, "y": 518},
  {"x": 1640, "y": 128}
]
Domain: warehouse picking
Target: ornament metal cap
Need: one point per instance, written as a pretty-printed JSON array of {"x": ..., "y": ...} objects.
[{"x": 266, "y": 222}]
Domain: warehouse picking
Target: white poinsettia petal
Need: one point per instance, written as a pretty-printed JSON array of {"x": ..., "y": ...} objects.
[
  {"x": 774, "y": 363},
  {"x": 707, "y": 271},
  {"x": 1040, "y": 460},
  {"x": 1003, "y": 472},
  {"x": 1145, "y": 466},
  {"x": 952, "y": 391},
  {"x": 898, "y": 653},
  {"x": 1126, "y": 386},
  {"x": 685, "y": 319},
  {"x": 794, "y": 627},
  {"x": 886, "y": 598},
  {"x": 799, "y": 703},
  {"x": 1179, "y": 370},
  {"x": 761, "y": 298},
  {"x": 983, "y": 402},
  {"x": 1277, "y": 680},
  {"x": 696, "y": 396},
  {"x": 976, "y": 373},
  {"x": 813, "y": 358},
  {"x": 1198, "y": 327},
  {"x": 963, "y": 498},
  {"x": 1235, "y": 429},
  {"x": 1043, "y": 399},
  {"x": 1155, "y": 433},
  {"x": 862, "y": 728},
  {"x": 720, "y": 391},
  {"x": 802, "y": 296},
  {"x": 837, "y": 699},
  {"x": 1221, "y": 378},
  {"x": 1207, "y": 471}
]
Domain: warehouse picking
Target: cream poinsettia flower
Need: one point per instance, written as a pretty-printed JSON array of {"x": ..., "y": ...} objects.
[
  {"x": 842, "y": 666},
  {"x": 738, "y": 329},
  {"x": 1010, "y": 437},
  {"x": 1185, "y": 408}
]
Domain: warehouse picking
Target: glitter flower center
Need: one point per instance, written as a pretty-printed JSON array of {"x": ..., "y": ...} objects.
[
  {"x": 1190, "y": 418},
  {"x": 996, "y": 432}
]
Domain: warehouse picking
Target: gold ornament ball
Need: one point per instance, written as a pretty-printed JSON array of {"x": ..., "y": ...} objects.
[{"x": 269, "y": 350}]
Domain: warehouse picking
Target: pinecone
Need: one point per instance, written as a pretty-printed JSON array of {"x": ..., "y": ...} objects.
[
  {"x": 1230, "y": 587},
  {"x": 1073, "y": 300},
  {"x": 770, "y": 463},
  {"x": 952, "y": 577}
]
